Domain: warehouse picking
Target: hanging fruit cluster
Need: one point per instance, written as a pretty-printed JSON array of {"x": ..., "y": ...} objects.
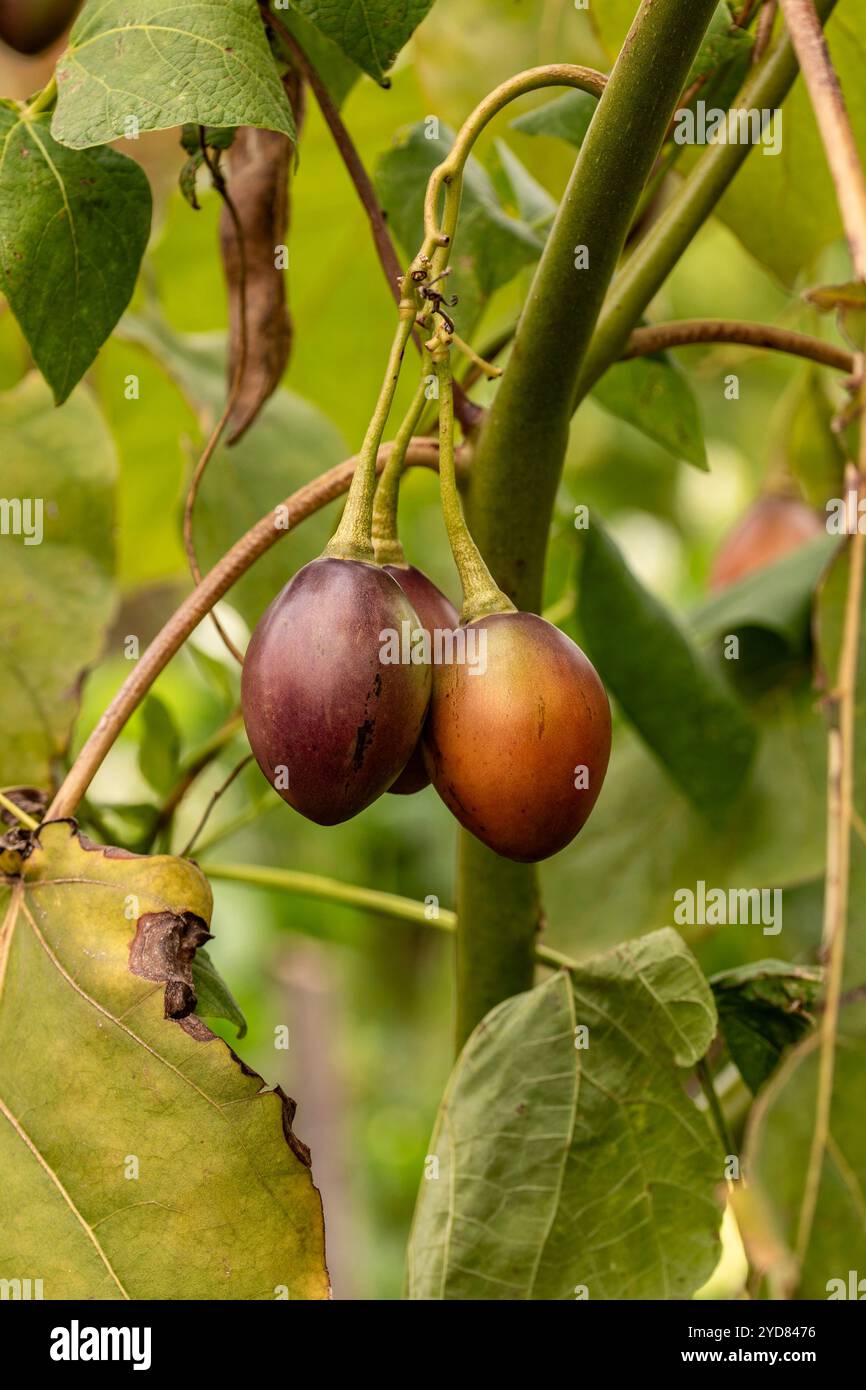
[{"x": 361, "y": 677}]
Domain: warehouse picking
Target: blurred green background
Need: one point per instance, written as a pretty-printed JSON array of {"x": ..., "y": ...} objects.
[{"x": 368, "y": 1001}]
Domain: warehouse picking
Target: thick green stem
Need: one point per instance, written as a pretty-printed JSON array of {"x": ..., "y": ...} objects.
[
  {"x": 656, "y": 256},
  {"x": 517, "y": 467}
]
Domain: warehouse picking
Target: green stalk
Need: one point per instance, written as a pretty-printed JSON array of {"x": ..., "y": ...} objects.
[
  {"x": 353, "y": 538},
  {"x": 655, "y": 257},
  {"x": 516, "y": 470},
  {"x": 481, "y": 595},
  {"x": 386, "y": 538}
]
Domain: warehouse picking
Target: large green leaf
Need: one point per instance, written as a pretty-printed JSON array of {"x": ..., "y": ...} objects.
[
  {"x": 135, "y": 65},
  {"x": 654, "y": 395},
  {"x": 777, "y": 599},
  {"x": 491, "y": 246},
  {"x": 336, "y": 69},
  {"x": 564, "y": 1166},
  {"x": 777, "y": 1149},
  {"x": 140, "y": 1158},
  {"x": 73, "y": 228},
  {"x": 58, "y": 596},
  {"x": 370, "y": 32},
  {"x": 683, "y": 711},
  {"x": 291, "y": 443},
  {"x": 566, "y": 117}
]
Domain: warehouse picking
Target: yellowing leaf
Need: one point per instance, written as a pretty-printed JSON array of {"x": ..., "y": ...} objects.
[{"x": 140, "y": 1157}]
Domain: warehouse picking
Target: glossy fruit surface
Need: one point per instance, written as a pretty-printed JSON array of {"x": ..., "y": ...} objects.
[
  {"x": 505, "y": 748},
  {"x": 29, "y": 26},
  {"x": 324, "y": 712},
  {"x": 435, "y": 611},
  {"x": 771, "y": 528}
]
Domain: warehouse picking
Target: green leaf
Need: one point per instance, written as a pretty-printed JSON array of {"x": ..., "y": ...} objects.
[
  {"x": 563, "y": 1166},
  {"x": 159, "y": 750},
  {"x": 58, "y": 595},
  {"x": 532, "y": 200},
  {"x": 338, "y": 72},
  {"x": 161, "y": 63},
  {"x": 777, "y": 1148},
  {"x": 777, "y": 598},
  {"x": 793, "y": 189},
  {"x": 645, "y": 840},
  {"x": 141, "y": 1158},
  {"x": 566, "y": 117},
  {"x": 73, "y": 228},
  {"x": 215, "y": 999},
  {"x": 723, "y": 43},
  {"x": 682, "y": 710},
  {"x": 370, "y": 32},
  {"x": 764, "y": 1008},
  {"x": 491, "y": 246},
  {"x": 653, "y": 395},
  {"x": 810, "y": 443},
  {"x": 291, "y": 443}
]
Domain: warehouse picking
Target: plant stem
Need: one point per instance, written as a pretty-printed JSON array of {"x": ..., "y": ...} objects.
[
  {"x": 837, "y": 136},
  {"x": 220, "y": 791},
  {"x": 517, "y": 465},
  {"x": 468, "y": 413},
  {"x": 704, "y": 1075},
  {"x": 27, "y": 821},
  {"x": 226, "y": 572},
  {"x": 365, "y": 899},
  {"x": 386, "y": 538},
  {"x": 850, "y": 183},
  {"x": 481, "y": 594},
  {"x": 353, "y": 538},
  {"x": 654, "y": 258},
  {"x": 43, "y": 101},
  {"x": 658, "y": 337}
]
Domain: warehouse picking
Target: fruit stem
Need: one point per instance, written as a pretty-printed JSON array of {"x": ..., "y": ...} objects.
[
  {"x": 481, "y": 593},
  {"x": 42, "y": 101},
  {"x": 386, "y": 538},
  {"x": 353, "y": 538}
]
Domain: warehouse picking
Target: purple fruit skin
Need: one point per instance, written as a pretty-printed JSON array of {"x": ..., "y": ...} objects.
[
  {"x": 434, "y": 611},
  {"x": 317, "y": 698},
  {"x": 30, "y": 26}
]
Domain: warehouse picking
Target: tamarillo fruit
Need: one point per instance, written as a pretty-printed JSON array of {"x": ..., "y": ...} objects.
[
  {"x": 30, "y": 26},
  {"x": 772, "y": 527},
  {"x": 518, "y": 750},
  {"x": 435, "y": 612},
  {"x": 331, "y": 723}
]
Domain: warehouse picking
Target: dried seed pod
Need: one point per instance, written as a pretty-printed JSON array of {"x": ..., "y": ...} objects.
[{"x": 260, "y": 164}]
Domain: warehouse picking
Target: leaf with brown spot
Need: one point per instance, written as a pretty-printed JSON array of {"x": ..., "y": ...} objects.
[{"x": 221, "y": 1202}]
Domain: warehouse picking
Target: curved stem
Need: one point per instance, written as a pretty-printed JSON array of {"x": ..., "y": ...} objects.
[
  {"x": 438, "y": 237},
  {"x": 481, "y": 594},
  {"x": 353, "y": 538},
  {"x": 386, "y": 538},
  {"x": 353, "y": 895},
  {"x": 658, "y": 337},
  {"x": 226, "y": 572},
  {"x": 220, "y": 791}
]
